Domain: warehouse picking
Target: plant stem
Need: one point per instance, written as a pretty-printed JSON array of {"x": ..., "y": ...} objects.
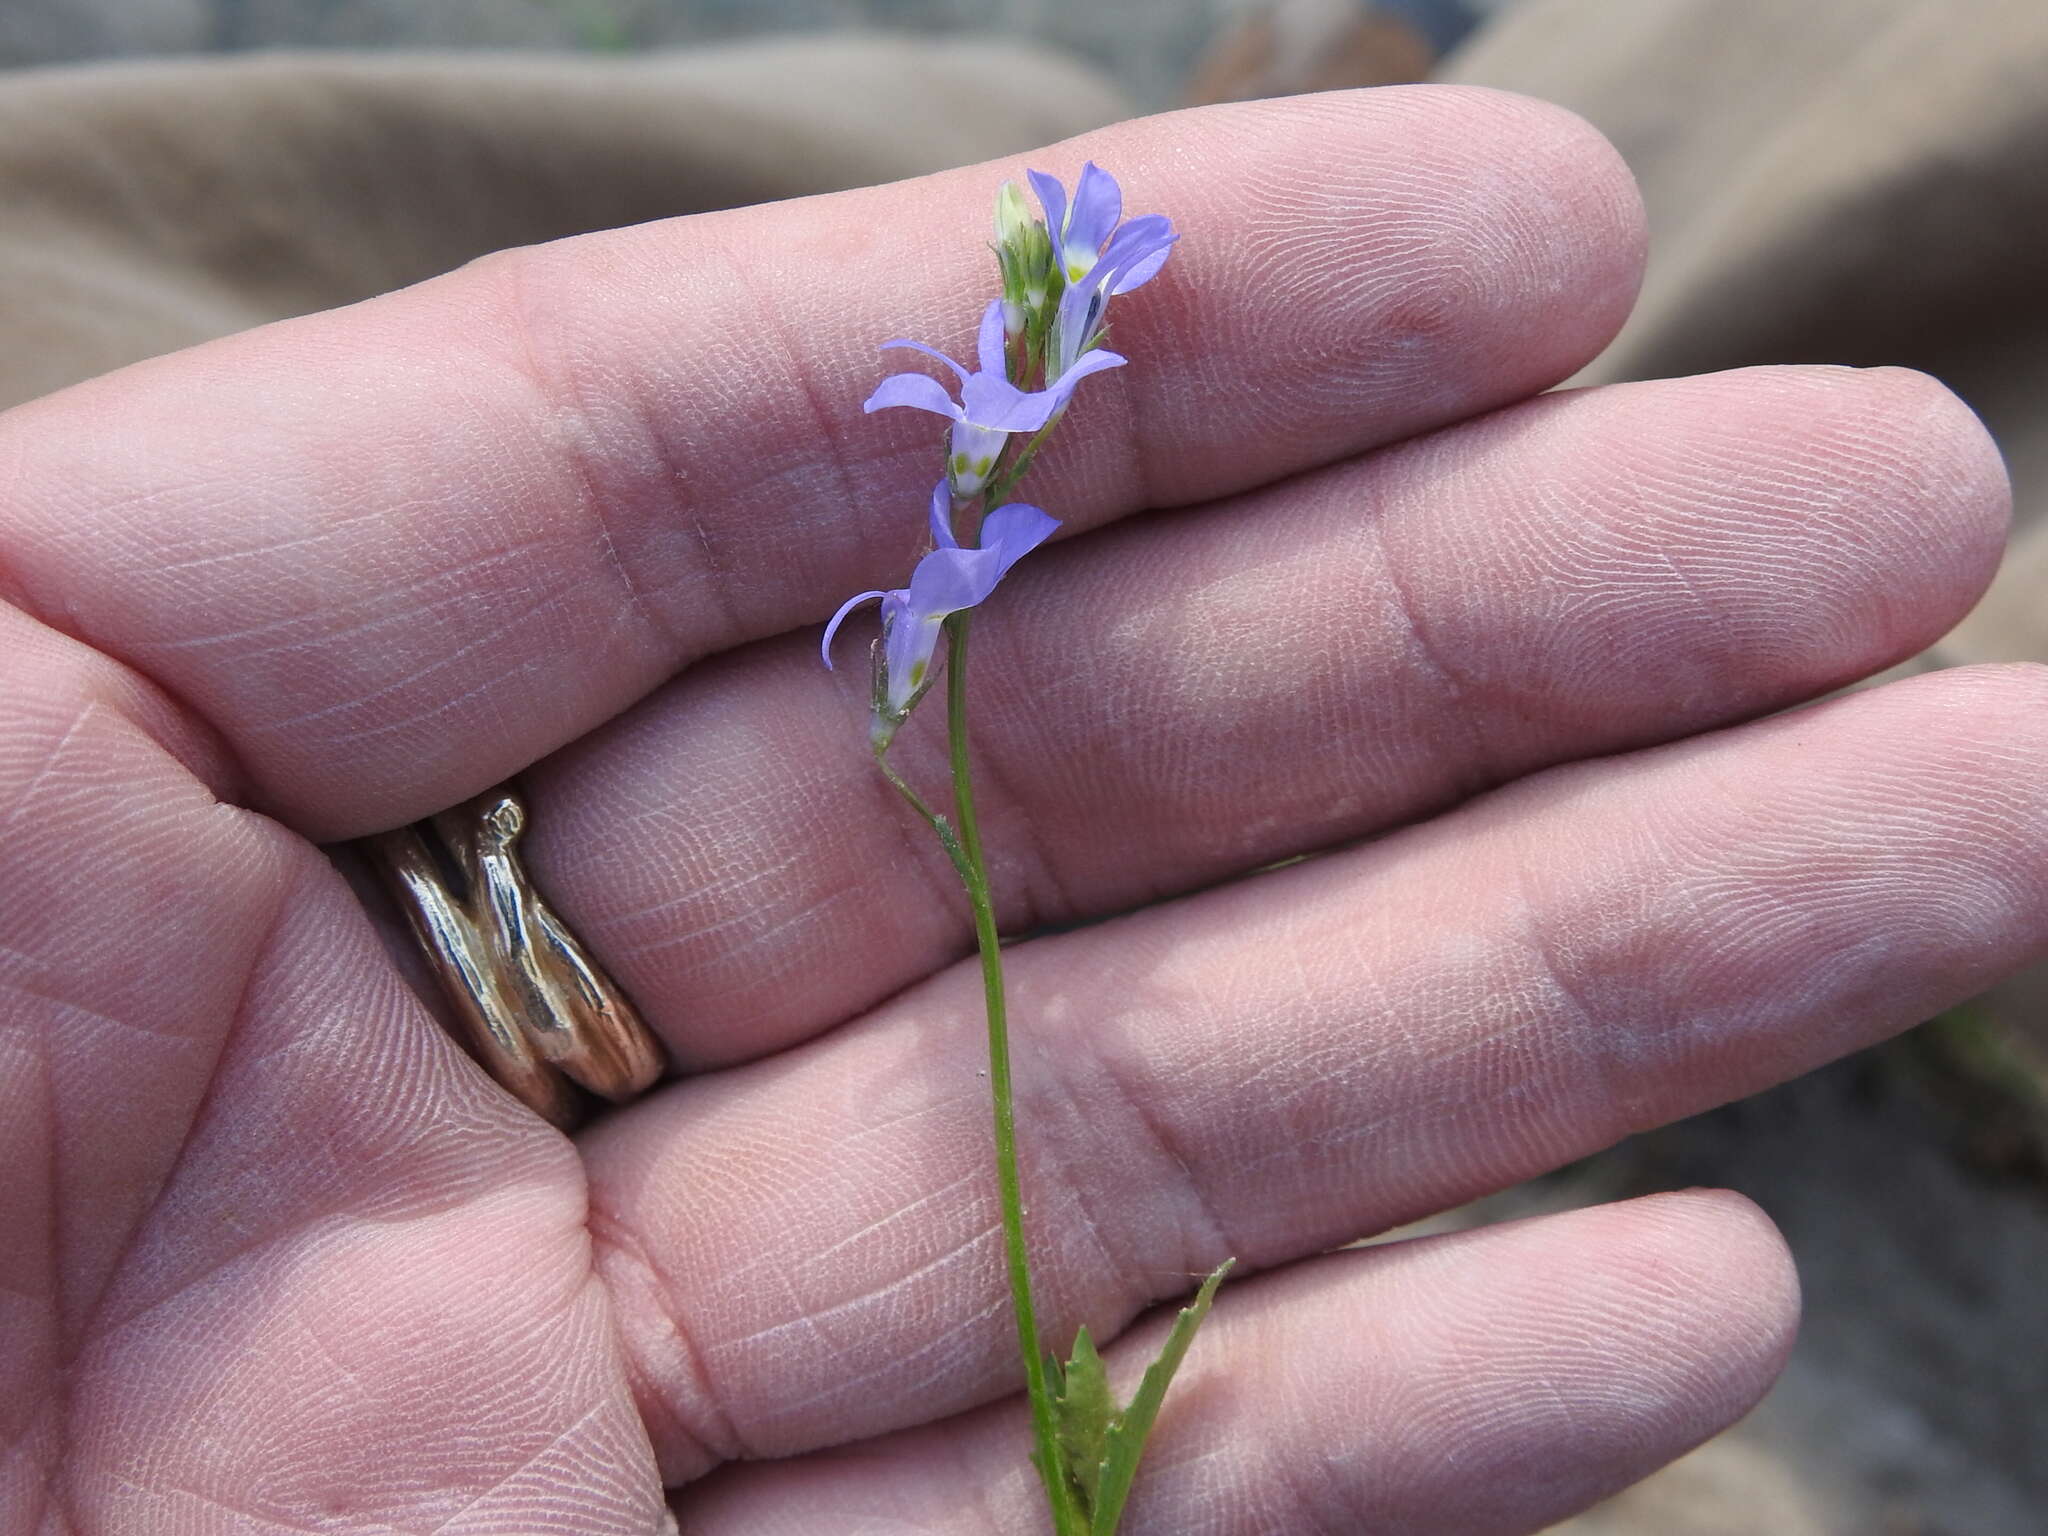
[
  {"x": 974, "y": 874},
  {"x": 938, "y": 823},
  {"x": 1005, "y": 479}
]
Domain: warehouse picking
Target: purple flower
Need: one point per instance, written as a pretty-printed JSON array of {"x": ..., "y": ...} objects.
[
  {"x": 945, "y": 581},
  {"x": 1099, "y": 257},
  {"x": 990, "y": 406},
  {"x": 1082, "y": 230}
]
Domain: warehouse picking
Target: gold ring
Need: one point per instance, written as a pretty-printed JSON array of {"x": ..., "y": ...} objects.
[{"x": 539, "y": 1014}]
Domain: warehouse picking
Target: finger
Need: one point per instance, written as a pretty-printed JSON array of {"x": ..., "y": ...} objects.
[
  {"x": 396, "y": 552},
  {"x": 1488, "y": 1382},
  {"x": 1274, "y": 1068},
  {"x": 1188, "y": 698}
]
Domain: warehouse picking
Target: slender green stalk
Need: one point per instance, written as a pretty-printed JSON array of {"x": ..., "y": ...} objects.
[
  {"x": 1005, "y": 479},
  {"x": 939, "y": 824},
  {"x": 1066, "y": 1518}
]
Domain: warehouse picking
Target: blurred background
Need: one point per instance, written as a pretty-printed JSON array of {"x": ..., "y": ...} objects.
[
  {"x": 1832, "y": 180},
  {"x": 1148, "y": 46}
]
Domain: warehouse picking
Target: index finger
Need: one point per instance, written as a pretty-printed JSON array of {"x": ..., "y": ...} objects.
[{"x": 396, "y": 552}]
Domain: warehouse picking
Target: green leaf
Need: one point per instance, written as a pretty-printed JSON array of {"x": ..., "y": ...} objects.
[
  {"x": 1125, "y": 1442},
  {"x": 1083, "y": 1413}
]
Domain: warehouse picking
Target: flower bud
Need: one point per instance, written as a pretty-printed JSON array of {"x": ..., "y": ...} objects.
[
  {"x": 1024, "y": 253},
  {"x": 1013, "y": 218}
]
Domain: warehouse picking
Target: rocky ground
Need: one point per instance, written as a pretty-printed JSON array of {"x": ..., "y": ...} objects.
[{"x": 1910, "y": 1180}]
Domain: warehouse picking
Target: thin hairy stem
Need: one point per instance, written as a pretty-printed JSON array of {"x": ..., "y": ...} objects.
[{"x": 974, "y": 873}]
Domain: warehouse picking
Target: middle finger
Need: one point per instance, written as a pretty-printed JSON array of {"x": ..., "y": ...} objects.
[{"x": 1170, "y": 703}]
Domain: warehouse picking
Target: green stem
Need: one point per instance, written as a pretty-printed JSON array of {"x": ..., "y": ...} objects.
[
  {"x": 1005, "y": 480},
  {"x": 974, "y": 874},
  {"x": 938, "y": 823}
]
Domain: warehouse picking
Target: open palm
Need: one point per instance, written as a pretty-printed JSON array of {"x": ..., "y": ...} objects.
[{"x": 280, "y": 1259}]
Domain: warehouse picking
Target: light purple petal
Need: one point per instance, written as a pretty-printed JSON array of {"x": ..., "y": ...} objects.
[
  {"x": 1052, "y": 197},
  {"x": 1098, "y": 204},
  {"x": 920, "y": 391},
  {"x": 1135, "y": 253},
  {"x": 932, "y": 352},
  {"x": 1145, "y": 231},
  {"x": 1085, "y": 364},
  {"x": 995, "y": 404},
  {"x": 1013, "y": 530},
  {"x": 839, "y": 618},
  {"x": 1143, "y": 270},
  {"x": 989, "y": 344},
  {"x": 942, "y": 516},
  {"x": 947, "y": 580}
]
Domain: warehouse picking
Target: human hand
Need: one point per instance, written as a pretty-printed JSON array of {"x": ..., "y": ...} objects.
[{"x": 283, "y": 1260}]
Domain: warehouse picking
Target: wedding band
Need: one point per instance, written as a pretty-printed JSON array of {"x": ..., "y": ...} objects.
[{"x": 537, "y": 1011}]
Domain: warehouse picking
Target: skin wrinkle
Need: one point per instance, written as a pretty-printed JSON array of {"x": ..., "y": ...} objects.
[
  {"x": 1595, "y": 1026},
  {"x": 812, "y": 1317},
  {"x": 313, "y": 539},
  {"x": 741, "y": 922},
  {"x": 268, "y": 1521},
  {"x": 566, "y": 1432},
  {"x": 915, "y": 844},
  {"x": 1114, "y": 1253},
  {"x": 1800, "y": 498},
  {"x": 93, "y": 1305},
  {"x": 336, "y": 1366},
  {"x": 494, "y": 1428},
  {"x": 1034, "y": 1066},
  {"x": 321, "y": 1224},
  {"x": 781, "y": 960},
  {"x": 561, "y": 396},
  {"x": 79, "y": 717},
  {"x": 1031, "y": 880},
  {"x": 522, "y": 621},
  {"x": 404, "y": 1205},
  {"x": 70, "y": 1350},
  {"x": 691, "y": 1441},
  {"x": 965, "y": 1180},
  {"x": 1317, "y": 1506},
  {"x": 462, "y": 583},
  {"x": 1213, "y": 1243},
  {"x": 72, "y": 670},
  {"x": 828, "y": 433},
  {"x": 1477, "y": 773},
  {"x": 975, "y": 1323}
]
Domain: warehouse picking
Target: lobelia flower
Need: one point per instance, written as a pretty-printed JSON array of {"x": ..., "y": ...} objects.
[
  {"x": 990, "y": 407},
  {"x": 944, "y": 582},
  {"x": 1098, "y": 257}
]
